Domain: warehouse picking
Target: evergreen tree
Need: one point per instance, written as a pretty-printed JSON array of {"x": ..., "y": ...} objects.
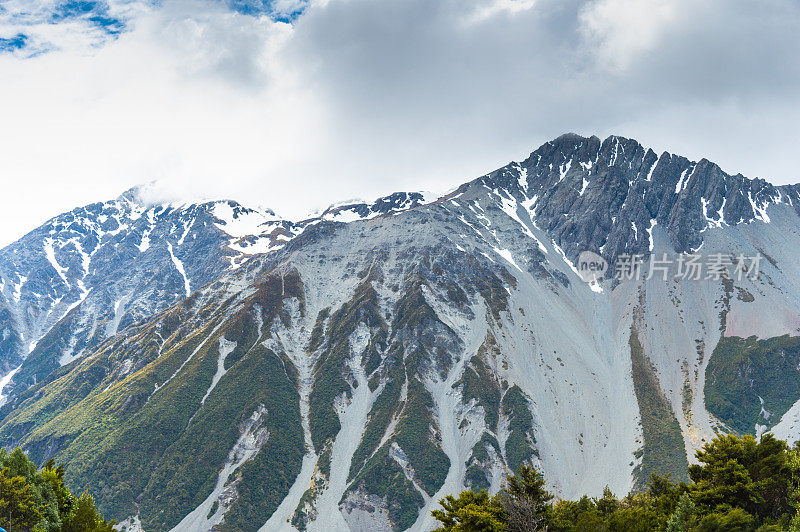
[
  {"x": 743, "y": 473},
  {"x": 526, "y": 501},
  {"x": 470, "y": 512},
  {"x": 681, "y": 518},
  {"x": 740, "y": 484},
  {"x": 727, "y": 520},
  {"x": 793, "y": 463},
  {"x": 607, "y": 504},
  {"x": 84, "y": 517},
  {"x": 39, "y": 500},
  {"x": 54, "y": 476},
  {"x": 18, "y": 510}
]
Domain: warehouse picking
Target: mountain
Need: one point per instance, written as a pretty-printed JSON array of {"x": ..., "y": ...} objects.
[
  {"x": 382, "y": 355},
  {"x": 84, "y": 275}
]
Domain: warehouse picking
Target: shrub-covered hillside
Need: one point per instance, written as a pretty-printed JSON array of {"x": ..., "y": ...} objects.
[
  {"x": 37, "y": 500},
  {"x": 739, "y": 484}
]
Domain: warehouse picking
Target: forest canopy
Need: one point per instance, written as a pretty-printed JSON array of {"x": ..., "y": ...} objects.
[
  {"x": 737, "y": 484},
  {"x": 37, "y": 500}
]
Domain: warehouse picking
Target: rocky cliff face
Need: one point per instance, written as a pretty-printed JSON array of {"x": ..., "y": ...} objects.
[
  {"x": 606, "y": 196},
  {"x": 356, "y": 372},
  {"x": 88, "y": 273}
]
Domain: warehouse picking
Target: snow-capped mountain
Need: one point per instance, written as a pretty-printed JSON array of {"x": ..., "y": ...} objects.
[
  {"x": 86, "y": 274},
  {"x": 358, "y": 372},
  {"x": 350, "y": 211}
]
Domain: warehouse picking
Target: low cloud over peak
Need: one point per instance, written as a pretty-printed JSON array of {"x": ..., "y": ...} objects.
[{"x": 296, "y": 105}]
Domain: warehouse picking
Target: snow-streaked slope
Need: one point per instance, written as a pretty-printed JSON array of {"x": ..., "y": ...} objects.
[
  {"x": 91, "y": 272},
  {"x": 429, "y": 346}
]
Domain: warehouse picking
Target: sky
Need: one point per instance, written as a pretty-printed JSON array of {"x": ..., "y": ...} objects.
[{"x": 294, "y": 104}]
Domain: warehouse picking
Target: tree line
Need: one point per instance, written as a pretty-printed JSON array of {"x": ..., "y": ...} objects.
[
  {"x": 37, "y": 500},
  {"x": 738, "y": 484}
]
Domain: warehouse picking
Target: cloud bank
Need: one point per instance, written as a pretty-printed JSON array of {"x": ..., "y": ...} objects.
[{"x": 295, "y": 105}]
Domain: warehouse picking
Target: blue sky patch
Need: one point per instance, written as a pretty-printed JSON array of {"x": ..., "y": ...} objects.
[
  {"x": 75, "y": 9},
  {"x": 111, "y": 25},
  {"x": 12, "y": 44},
  {"x": 249, "y": 7},
  {"x": 102, "y": 23},
  {"x": 265, "y": 7},
  {"x": 95, "y": 13}
]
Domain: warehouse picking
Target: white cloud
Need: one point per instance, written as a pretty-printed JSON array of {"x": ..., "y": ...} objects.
[
  {"x": 621, "y": 31},
  {"x": 487, "y": 10},
  {"x": 361, "y": 98}
]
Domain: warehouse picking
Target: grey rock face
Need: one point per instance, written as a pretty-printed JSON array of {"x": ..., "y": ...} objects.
[
  {"x": 425, "y": 347},
  {"x": 99, "y": 268},
  {"x": 605, "y": 196},
  {"x": 397, "y": 202},
  {"x": 88, "y": 273}
]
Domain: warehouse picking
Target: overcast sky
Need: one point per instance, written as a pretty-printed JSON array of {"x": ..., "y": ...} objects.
[{"x": 294, "y": 106}]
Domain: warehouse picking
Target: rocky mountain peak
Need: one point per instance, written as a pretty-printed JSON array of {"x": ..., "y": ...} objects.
[
  {"x": 428, "y": 346},
  {"x": 121, "y": 260},
  {"x": 609, "y": 196}
]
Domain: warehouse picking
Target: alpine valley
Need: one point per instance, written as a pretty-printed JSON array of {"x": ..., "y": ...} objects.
[{"x": 215, "y": 367}]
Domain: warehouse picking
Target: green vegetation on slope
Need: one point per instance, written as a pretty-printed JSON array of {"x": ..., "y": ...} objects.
[
  {"x": 383, "y": 475},
  {"x": 38, "y": 500},
  {"x": 415, "y": 436},
  {"x": 664, "y": 451},
  {"x": 386, "y": 406},
  {"x": 480, "y": 462},
  {"x": 520, "y": 443},
  {"x": 266, "y": 479},
  {"x": 129, "y": 421},
  {"x": 480, "y": 384},
  {"x": 412, "y": 348},
  {"x": 738, "y": 484},
  {"x": 743, "y": 369},
  {"x": 330, "y": 370}
]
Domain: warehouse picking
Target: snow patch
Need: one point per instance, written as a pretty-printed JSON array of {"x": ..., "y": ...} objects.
[
  {"x": 241, "y": 222},
  {"x": 720, "y": 221},
  {"x": 17, "y": 294},
  {"x": 564, "y": 257},
  {"x": 49, "y": 251},
  {"x": 563, "y": 170},
  {"x": 145, "y": 243},
  {"x": 179, "y": 266},
  {"x": 650, "y": 234},
  {"x": 759, "y": 211},
  {"x": 4, "y": 382},
  {"x": 522, "y": 178},
  {"x": 226, "y": 347},
  {"x": 650, "y": 173},
  {"x": 509, "y": 206},
  {"x": 681, "y": 184},
  {"x": 613, "y": 159},
  {"x": 346, "y": 216},
  {"x": 530, "y": 204},
  {"x": 119, "y": 311},
  {"x": 506, "y": 254}
]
